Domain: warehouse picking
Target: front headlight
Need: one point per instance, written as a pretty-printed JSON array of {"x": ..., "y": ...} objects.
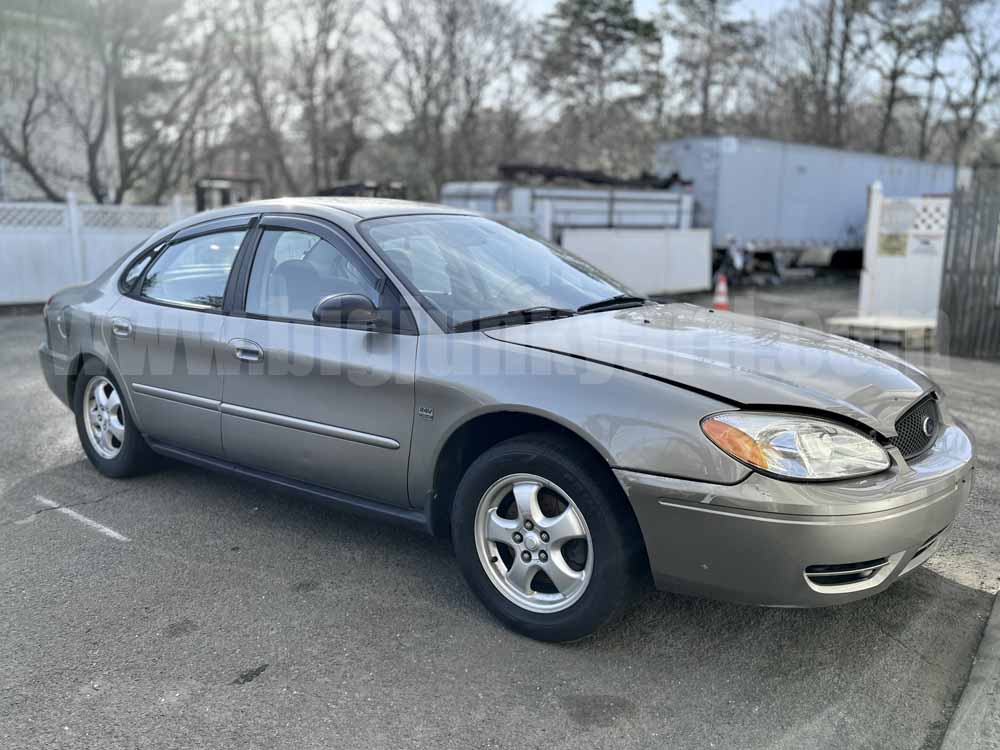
[{"x": 796, "y": 447}]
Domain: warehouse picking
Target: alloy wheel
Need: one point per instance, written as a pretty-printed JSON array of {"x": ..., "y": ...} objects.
[
  {"x": 534, "y": 543},
  {"x": 104, "y": 417}
]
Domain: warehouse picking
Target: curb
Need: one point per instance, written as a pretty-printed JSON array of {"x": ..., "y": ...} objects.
[{"x": 975, "y": 725}]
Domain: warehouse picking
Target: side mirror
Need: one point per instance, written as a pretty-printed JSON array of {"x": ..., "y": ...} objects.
[{"x": 345, "y": 308}]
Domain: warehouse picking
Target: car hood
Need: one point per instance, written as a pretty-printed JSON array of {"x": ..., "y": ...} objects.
[{"x": 751, "y": 362}]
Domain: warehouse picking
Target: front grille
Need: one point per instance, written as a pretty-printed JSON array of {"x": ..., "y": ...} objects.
[
  {"x": 911, "y": 437},
  {"x": 845, "y": 573}
]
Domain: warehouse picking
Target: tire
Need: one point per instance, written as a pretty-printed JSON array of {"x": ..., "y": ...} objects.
[
  {"x": 562, "y": 477},
  {"x": 122, "y": 456}
]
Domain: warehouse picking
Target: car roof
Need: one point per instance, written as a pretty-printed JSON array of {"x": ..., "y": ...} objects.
[
  {"x": 370, "y": 208},
  {"x": 363, "y": 208},
  {"x": 346, "y": 210}
]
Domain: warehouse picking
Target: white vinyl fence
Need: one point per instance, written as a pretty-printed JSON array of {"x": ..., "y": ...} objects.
[
  {"x": 46, "y": 246},
  {"x": 648, "y": 261}
]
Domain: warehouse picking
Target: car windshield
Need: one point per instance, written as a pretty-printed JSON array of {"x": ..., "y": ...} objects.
[{"x": 466, "y": 268}]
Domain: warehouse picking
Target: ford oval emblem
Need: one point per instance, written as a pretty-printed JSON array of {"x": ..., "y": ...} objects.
[{"x": 928, "y": 426}]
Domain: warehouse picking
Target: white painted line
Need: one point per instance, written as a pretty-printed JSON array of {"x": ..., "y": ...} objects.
[{"x": 82, "y": 519}]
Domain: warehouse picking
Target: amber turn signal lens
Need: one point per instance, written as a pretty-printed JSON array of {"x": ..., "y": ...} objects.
[{"x": 735, "y": 442}]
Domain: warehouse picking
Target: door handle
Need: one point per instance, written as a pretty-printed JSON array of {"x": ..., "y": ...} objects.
[
  {"x": 121, "y": 327},
  {"x": 246, "y": 350}
]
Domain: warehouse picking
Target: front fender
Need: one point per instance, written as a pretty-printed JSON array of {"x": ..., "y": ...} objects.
[{"x": 632, "y": 421}]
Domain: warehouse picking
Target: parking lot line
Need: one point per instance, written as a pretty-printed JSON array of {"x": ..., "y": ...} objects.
[{"x": 82, "y": 519}]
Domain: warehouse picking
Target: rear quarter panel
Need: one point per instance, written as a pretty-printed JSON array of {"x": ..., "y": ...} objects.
[{"x": 84, "y": 312}]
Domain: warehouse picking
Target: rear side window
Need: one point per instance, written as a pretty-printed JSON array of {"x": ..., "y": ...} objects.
[
  {"x": 193, "y": 272},
  {"x": 135, "y": 271}
]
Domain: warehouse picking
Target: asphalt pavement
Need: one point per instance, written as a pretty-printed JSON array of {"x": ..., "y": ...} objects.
[{"x": 187, "y": 609}]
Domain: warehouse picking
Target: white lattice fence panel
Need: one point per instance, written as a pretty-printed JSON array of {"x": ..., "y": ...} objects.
[
  {"x": 931, "y": 216},
  {"x": 46, "y": 246},
  {"x": 124, "y": 217},
  {"x": 32, "y": 215}
]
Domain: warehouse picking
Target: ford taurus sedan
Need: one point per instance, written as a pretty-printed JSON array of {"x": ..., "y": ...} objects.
[{"x": 574, "y": 440}]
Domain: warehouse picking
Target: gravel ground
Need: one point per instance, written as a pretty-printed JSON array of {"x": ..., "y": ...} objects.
[{"x": 230, "y": 615}]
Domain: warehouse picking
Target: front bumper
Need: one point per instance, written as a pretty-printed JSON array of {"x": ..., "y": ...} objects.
[{"x": 765, "y": 541}]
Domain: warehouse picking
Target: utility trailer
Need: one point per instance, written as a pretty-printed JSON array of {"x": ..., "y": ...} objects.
[
  {"x": 772, "y": 195},
  {"x": 549, "y": 209},
  {"x": 641, "y": 236}
]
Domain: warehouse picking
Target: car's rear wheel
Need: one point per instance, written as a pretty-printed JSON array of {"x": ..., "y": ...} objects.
[
  {"x": 545, "y": 539},
  {"x": 107, "y": 433}
]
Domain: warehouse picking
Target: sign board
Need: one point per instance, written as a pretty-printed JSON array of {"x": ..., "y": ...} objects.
[
  {"x": 927, "y": 244},
  {"x": 892, "y": 244}
]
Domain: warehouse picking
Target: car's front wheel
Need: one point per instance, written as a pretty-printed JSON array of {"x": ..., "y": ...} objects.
[
  {"x": 545, "y": 539},
  {"x": 107, "y": 433}
]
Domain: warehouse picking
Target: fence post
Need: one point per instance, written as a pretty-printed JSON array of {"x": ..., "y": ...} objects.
[
  {"x": 869, "y": 262},
  {"x": 687, "y": 211},
  {"x": 75, "y": 236},
  {"x": 176, "y": 208},
  {"x": 544, "y": 219}
]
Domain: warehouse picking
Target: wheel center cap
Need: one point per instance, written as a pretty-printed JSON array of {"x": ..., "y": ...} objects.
[{"x": 531, "y": 541}]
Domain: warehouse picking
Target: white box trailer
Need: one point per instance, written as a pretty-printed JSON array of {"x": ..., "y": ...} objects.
[{"x": 787, "y": 195}]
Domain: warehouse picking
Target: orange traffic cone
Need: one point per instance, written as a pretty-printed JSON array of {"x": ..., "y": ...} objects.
[{"x": 720, "y": 300}]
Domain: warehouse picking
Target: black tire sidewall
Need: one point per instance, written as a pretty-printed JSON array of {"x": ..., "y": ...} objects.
[
  {"x": 613, "y": 546},
  {"x": 135, "y": 456}
]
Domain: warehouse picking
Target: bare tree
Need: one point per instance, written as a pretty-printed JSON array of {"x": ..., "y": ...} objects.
[
  {"x": 485, "y": 50},
  {"x": 900, "y": 34},
  {"x": 24, "y": 79},
  {"x": 445, "y": 56},
  {"x": 158, "y": 101},
  {"x": 84, "y": 93},
  {"x": 257, "y": 55},
  {"x": 600, "y": 65},
  {"x": 326, "y": 77},
  {"x": 714, "y": 48},
  {"x": 134, "y": 99},
  {"x": 827, "y": 46},
  {"x": 928, "y": 78},
  {"x": 351, "y": 114},
  {"x": 976, "y": 85},
  {"x": 848, "y": 50},
  {"x": 141, "y": 74}
]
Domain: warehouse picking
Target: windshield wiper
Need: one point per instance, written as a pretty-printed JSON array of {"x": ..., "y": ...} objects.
[
  {"x": 515, "y": 317},
  {"x": 619, "y": 302}
]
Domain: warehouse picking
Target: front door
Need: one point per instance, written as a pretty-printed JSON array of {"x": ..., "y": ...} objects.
[
  {"x": 165, "y": 337},
  {"x": 325, "y": 404}
]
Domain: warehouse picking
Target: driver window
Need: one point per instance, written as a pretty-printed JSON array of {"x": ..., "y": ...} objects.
[{"x": 293, "y": 270}]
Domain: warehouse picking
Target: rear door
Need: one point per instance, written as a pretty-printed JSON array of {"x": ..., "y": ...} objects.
[
  {"x": 331, "y": 405},
  {"x": 166, "y": 334}
]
